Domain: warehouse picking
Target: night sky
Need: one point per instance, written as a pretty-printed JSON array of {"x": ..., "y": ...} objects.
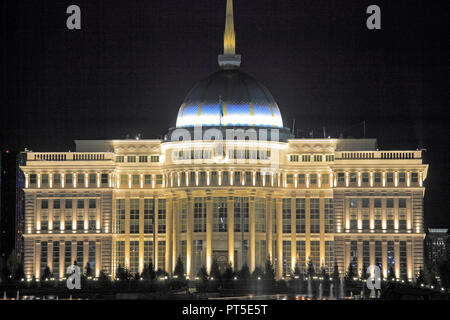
[{"x": 127, "y": 71}]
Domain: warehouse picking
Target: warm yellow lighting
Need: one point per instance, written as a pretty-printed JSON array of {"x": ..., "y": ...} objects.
[{"x": 229, "y": 38}]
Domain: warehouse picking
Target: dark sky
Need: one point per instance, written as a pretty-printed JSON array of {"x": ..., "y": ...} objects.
[{"x": 129, "y": 68}]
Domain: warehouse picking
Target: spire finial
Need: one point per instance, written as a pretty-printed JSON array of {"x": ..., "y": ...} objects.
[
  {"x": 229, "y": 58},
  {"x": 229, "y": 38}
]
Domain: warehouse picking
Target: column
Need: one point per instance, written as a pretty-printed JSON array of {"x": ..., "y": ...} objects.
[
  {"x": 230, "y": 221},
  {"x": 397, "y": 259},
  {"x": 252, "y": 233},
  {"x": 372, "y": 252},
  {"x": 98, "y": 258},
  {"x": 37, "y": 260},
  {"x": 127, "y": 232},
  {"x": 384, "y": 259},
  {"x": 409, "y": 261},
  {"x": 279, "y": 271},
  {"x": 169, "y": 235},
  {"x": 50, "y": 255},
  {"x": 360, "y": 258},
  {"x": 155, "y": 231},
  {"x": 322, "y": 229},
  {"x": 293, "y": 234},
  {"x": 175, "y": 213},
  {"x": 269, "y": 233},
  {"x": 62, "y": 254},
  {"x": 209, "y": 227},
  {"x": 189, "y": 227},
  {"x": 141, "y": 233},
  {"x": 307, "y": 228},
  {"x": 85, "y": 254}
]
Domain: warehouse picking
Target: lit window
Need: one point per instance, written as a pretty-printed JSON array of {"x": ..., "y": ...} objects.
[
  {"x": 293, "y": 158},
  {"x": 131, "y": 158}
]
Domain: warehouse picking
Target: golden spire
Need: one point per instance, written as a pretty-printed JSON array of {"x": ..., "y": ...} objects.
[{"x": 229, "y": 38}]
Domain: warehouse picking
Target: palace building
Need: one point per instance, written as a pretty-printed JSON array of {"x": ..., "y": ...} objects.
[{"x": 230, "y": 183}]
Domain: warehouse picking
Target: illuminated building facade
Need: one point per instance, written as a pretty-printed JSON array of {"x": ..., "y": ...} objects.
[{"x": 228, "y": 183}]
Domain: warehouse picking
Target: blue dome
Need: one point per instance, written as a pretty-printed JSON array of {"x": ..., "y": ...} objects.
[{"x": 238, "y": 97}]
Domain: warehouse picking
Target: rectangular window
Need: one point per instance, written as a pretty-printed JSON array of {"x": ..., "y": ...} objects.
[
  {"x": 353, "y": 176},
  {"x": 33, "y": 179},
  {"x": 80, "y": 254},
  {"x": 390, "y": 177},
  {"x": 44, "y": 204},
  {"x": 45, "y": 179},
  {"x": 159, "y": 179},
  {"x": 147, "y": 179},
  {"x": 329, "y": 157},
  {"x": 148, "y": 253},
  {"x": 123, "y": 179},
  {"x": 414, "y": 177},
  {"x": 80, "y": 204},
  {"x": 289, "y": 179},
  {"x": 143, "y": 158},
  {"x": 377, "y": 177},
  {"x": 286, "y": 215},
  {"x": 293, "y": 158},
  {"x": 120, "y": 216},
  {"x": 220, "y": 214},
  {"x": 300, "y": 215},
  {"x": 55, "y": 270},
  {"x": 148, "y": 215},
  {"x": 306, "y": 158},
  {"x": 197, "y": 255},
  {"x": 317, "y": 158},
  {"x": 56, "y": 204},
  {"x": 241, "y": 212},
  {"x": 67, "y": 255},
  {"x": 183, "y": 215},
  {"x": 199, "y": 215},
  {"x": 365, "y": 177},
  {"x": 135, "y": 179},
  {"x": 260, "y": 215},
  {"x": 365, "y": 203},
  {"x": 131, "y": 158},
  {"x": 154, "y": 159},
  {"x": 134, "y": 215},
  {"x": 401, "y": 177},
  {"x": 120, "y": 159},
  {"x": 92, "y": 203},
  {"x": 91, "y": 255},
  {"x": 237, "y": 178},
  {"x": 301, "y": 179},
  {"x": 80, "y": 179},
  {"x": 301, "y": 255},
  {"x": 286, "y": 257},
  {"x": 315, "y": 255},
  {"x": 162, "y": 255},
  {"x": 325, "y": 179},
  {"x": 120, "y": 254},
  {"x": 57, "y": 179},
  {"x": 389, "y": 203},
  {"x": 134, "y": 257},
  {"x": 92, "y": 178},
  {"x": 313, "y": 179},
  {"x": 225, "y": 178},
  {"x": 402, "y": 203},
  {"x": 353, "y": 203},
  {"x": 329, "y": 216},
  {"x": 161, "y": 215},
  {"x": 44, "y": 256},
  {"x": 68, "y": 203},
  {"x": 315, "y": 215},
  {"x": 341, "y": 177},
  {"x": 104, "y": 178}
]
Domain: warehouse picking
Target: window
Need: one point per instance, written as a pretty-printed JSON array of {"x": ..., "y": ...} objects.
[
  {"x": 317, "y": 158},
  {"x": 352, "y": 176},
  {"x": 325, "y": 178},
  {"x": 301, "y": 179},
  {"x": 45, "y": 179},
  {"x": 154, "y": 159},
  {"x": 365, "y": 203},
  {"x": 33, "y": 179},
  {"x": 120, "y": 253},
  {"x": 306, "y": 158},
  {"x": 123, "y": 179},
  {"x": 289, "y": 179},
  {"x": 401, "y": 177},
  {"x": 134, "y": 257},
  {"x": 389, "y": 203},
  {"x": 329, "y": 157},
  {"x": 220, "y": 214},
  {"x": 402, "y": 203},
  {"x": 377, "y": 177},
  {"x": 237, "y": 177},
  {"x": 56, "y": 204},
  {"x": 134, "y": 215},
  {"x": 241, "y": 212},
  {"x": 260, "y": 215},
  {"x": 92, "y": 178},
  {"x": 286, "y": 215},
  {"x": 329, "y": 218},
  {"x": 377, "y": 203},
  {"x": 68, "y": 203},
  {"x": 315, "y": 215},
  {"x": 131, "y": 158},
  {"x": 300, "y": 215},
  {"x": 313, "y": 178},
  {"x": 147, "y": 179},
  {"x": 162, "y": 215},
  {"x": 341, "y": 177},
  {"x": 390, "y": 177},
  {"x": 353, "y": 203},
  {"x": 293, "y": 158},
  {"x": 68, "y": 223},
  {"x": 143, "y": 158},
  {"x": 80, "y": 204},
  {"x": 183, "y": 215},
  {"x": 286, "y": 257},
  {"x": 120, "y": 216},
  {"x": 55, "y": 270},
  {"x": 80, "y": 179},
  {"x": 248, "y": 178},
  {"x": 414, "y": 177},
  {"x": 214, "y": 178},
  {"x": 104, "y": 178},
  {"x": 225, "y": 178},
  {"x": 120, "y": 158},
  {"x": 135, "y": 179},
  {"x": 57, "y": 179},
  {"x": 92, "y": 204},
  {"x": 162, "y": 255},
  {"x": 148, "y": 215},
  {"x": 159, "y": 179},
  {"x": 365, "y": 177},
  {"x": 44, "y": 204},
  {"x": 199, "y": 215}
]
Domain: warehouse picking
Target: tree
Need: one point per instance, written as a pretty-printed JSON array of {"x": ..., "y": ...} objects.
[
  {"x": 179, "y": 268},
  {"x": 310, "y": 269},
  {"x": 391, "y": 273},
  {"x": 12, "y": 264},
  {"x": 88, "y": 270},
  {"x": 123, "y": 274},
  {"x": 244, "y": 273},
  {"x": 46, "y": 274},
  {"x": 297, "y": 272},
  {"x": 335, "y": 272},
  {"x": 269, "y": 271},
  {"x": 258, "y": 273},
  {"x": 350, "y": 272},
  {"x": 324, "y": 273},
  {"x": 420, "y": 277},
  {"x": 215, "y": 272},
  {"x": 228, "y": 273},
  {"x": 203, "y": 274},
  {"x": 148, "y": 273}
]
